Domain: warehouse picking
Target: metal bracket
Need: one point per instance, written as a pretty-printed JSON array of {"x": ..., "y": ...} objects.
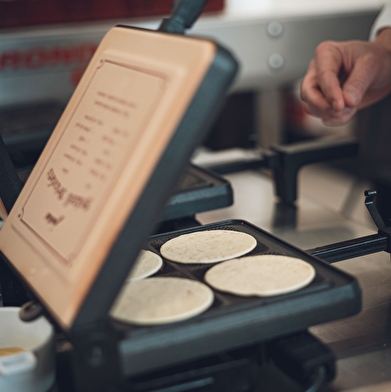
[
  {"x": 373, "y": 211},
  {"x": 285, "y": 162},
  {"x": 293, "y": 157},
  {"x": 376, "y": 217},
  {"x": 380, "y": 242}
]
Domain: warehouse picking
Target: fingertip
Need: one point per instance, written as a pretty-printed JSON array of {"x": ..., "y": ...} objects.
[
  {"x": 352, "y": 100},
  {"x": 342, "y": 118},
  {"x": 337, "y": 105}
]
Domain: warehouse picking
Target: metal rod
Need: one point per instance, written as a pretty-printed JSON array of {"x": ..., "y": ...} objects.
[{"x": 349, "y": 249}]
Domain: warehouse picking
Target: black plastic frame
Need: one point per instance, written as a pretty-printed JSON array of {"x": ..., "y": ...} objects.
[
  {"x": 148, "y": 212},
  {"x": 215, "y": 193},
  {"x": 245, "y": 322}
]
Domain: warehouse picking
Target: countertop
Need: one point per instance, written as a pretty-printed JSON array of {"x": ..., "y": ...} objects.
[{"x": 330, "y": 209}]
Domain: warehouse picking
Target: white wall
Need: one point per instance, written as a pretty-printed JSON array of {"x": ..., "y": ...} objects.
[{"x": 289, "y": 7}]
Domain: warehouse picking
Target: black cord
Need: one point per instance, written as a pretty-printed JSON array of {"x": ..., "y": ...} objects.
[{"x": 319, "y": 380}]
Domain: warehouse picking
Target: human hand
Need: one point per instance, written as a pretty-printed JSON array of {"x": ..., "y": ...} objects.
[{"x": 347, "y": 76}]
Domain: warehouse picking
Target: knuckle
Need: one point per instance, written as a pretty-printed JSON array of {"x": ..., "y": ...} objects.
[
  {"x": 370, "y": 59},
  {"x": 323, "y": 74},
  {"x": 325, "y": 46}
]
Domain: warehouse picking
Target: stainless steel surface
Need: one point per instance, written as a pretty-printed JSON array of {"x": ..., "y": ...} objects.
[
  {"x": 330, "y": 209},
  {"x": 363, "y": 343}
]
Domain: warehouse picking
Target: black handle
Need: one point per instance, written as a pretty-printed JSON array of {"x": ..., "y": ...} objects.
[{"x": 184, "y": 14}]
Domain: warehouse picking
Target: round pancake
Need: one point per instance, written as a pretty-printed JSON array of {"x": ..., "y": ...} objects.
[
  {"x": 161, "y": 300},
  {"x": 210, "y": 246},
  {"x": 263, "y": 275},
  {"x": 147, "y": 264}
]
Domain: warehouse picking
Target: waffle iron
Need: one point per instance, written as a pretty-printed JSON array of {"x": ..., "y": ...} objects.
[{"x": 98, "y": 191}]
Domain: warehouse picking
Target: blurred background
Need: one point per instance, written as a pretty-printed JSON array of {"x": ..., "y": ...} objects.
[{"x": 45, "y": 46}]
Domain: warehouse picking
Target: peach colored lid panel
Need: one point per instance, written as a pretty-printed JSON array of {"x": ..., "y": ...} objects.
[
  {"x": 94, "y": 168},
  {"x": 81, "y": 171}
]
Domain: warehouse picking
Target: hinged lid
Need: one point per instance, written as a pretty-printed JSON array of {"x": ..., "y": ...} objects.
[{"x": 102, "y": 181}]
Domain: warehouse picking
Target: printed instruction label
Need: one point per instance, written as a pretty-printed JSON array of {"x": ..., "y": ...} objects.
[{"x": 89, "y": 156}]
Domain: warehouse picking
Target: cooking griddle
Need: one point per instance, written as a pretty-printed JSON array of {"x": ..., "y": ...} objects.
[
  {"x": 235, "y": 321},
  {"x": 98, "y": 191},
  {"x": 101, "y": 184}
]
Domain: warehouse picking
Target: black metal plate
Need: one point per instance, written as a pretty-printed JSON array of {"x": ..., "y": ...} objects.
[
  {"x": 234, "y": 321},
  {"x": 200, "y": 190}
]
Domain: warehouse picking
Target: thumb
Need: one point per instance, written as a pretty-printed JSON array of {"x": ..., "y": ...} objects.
[{"x": 358, "y": 82}]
